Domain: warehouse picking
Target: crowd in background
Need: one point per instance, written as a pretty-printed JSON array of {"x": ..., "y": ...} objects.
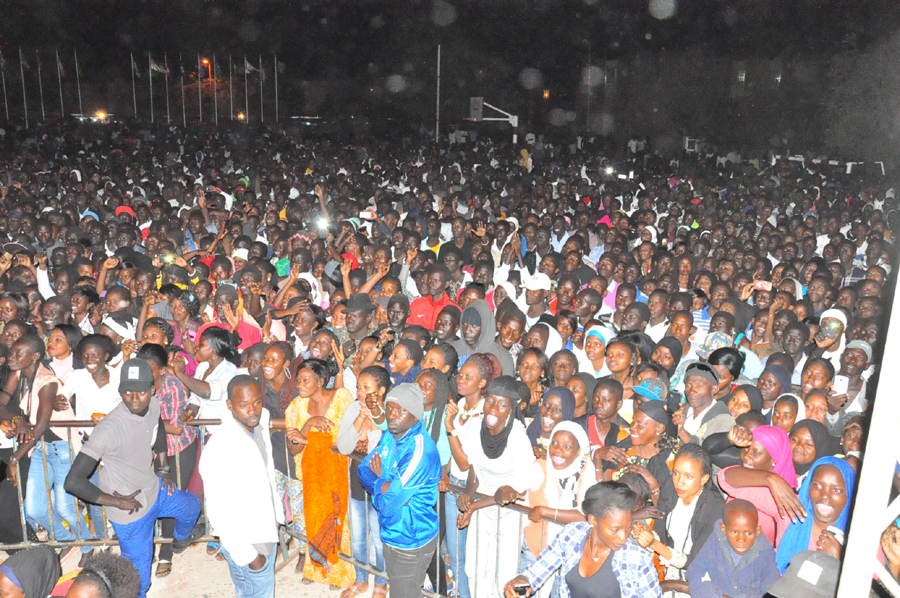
[{"x": 668, "y": 361}]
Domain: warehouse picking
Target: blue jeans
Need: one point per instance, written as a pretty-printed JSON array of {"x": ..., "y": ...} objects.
[
  {"x": 136, "y": 538},
  {"x": 456, "y": 542},
  {"x": 249, "y": 583},
  {"x": 362, "y": 550},
  {"x": 58, "y": 465}
]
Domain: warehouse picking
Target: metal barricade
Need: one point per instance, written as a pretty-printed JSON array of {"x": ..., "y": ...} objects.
[
  {"x": 500, "y": 578},
  {"x": 82, "y": 531}
]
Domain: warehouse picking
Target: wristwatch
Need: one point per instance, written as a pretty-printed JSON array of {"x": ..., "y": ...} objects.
[{"x": 163, "y": 469}]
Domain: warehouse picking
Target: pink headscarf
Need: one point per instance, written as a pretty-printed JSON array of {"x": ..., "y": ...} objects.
[{"x": 776, "y": 441}]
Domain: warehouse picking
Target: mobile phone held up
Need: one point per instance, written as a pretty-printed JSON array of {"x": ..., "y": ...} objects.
[{"x": 762, "y": 285}]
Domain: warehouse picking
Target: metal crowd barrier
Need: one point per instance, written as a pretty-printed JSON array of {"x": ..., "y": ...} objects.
[{"x": 368, "y": 565}]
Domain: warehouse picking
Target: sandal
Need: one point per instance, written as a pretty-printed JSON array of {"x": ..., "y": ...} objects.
[
  {"x": 380, "y": 591},
  {"x": 353, "y": 590},
  {"x": 163, "y": 568},
  {"x": 213, "y": 548}
]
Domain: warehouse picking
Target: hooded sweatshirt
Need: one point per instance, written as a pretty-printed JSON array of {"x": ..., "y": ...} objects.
[{"x": 479, "y": 310}]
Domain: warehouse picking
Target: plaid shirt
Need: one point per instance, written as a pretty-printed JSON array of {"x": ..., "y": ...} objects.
[
  {"x": 632, "y": 565},
  {"x": 173, "y": 397}
]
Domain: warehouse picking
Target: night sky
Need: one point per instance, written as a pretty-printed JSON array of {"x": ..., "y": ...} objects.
[{"x": 378, "y": 58}]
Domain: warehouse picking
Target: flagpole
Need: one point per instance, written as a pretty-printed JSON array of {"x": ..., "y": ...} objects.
[
  {"x": 276, "y": 87},
  {"x": 437, "y": 108},
  {"x": 183, "y": 107},
  {"x": 40, "y": 85},
  {"x": 3, "y": 76},
  {"x": 246, "y": 94},
  {"x": 150, "y": 76},
  {"x": 78, "y": 80},
  {"x": 62, "y": 110},
  {"x": 200, "y": 87},
  {"x": 166, "y": 64},
  {"x": 133, "y": 87},
  {"x": 215, "y": 89},
  {"x": 230, "y": 86},
  {"x": 24, "y": 95},
  {"x": 262, "y": 117}
]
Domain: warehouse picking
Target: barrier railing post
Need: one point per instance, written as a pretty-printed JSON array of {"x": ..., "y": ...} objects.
[
  {"x": 78, "y": 521},
  {"x": 21, "y": 496},
  {"x": 43, "y": 448}
]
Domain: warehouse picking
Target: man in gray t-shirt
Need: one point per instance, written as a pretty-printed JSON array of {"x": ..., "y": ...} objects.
[{"x": 135, "y": 496}]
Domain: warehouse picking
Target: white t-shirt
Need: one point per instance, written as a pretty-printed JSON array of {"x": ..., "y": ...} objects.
[
  {"x": 90, "y": 398},
  {"x": 218, "y": 380}
]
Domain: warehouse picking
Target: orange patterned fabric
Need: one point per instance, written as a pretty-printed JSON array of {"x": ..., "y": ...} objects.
[{"x": 326, "y": 494}]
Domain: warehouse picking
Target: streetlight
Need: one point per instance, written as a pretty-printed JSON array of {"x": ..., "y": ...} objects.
[{"x": 205, "y": 63}]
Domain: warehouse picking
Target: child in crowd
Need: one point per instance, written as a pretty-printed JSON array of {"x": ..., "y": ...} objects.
[{"x": 737, "y": 560}]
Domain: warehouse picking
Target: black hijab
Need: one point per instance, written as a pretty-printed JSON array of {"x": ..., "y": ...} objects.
[
  {"x": 35, "y": 571},
  {"x": 826, "y": 444},
  {"x": 506, "y": 387},
  {"x": 568, "y": 412},
  {"x": 753, "y": 395},
  {"x": 674, "y": 346}
]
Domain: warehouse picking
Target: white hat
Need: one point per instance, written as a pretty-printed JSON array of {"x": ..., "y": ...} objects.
[
  {"x": 538, "y": 282},
  {"x": 241, "y": 254}
]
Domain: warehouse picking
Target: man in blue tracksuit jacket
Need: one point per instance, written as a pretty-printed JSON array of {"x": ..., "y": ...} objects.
[{"x": 402, "y": 475}]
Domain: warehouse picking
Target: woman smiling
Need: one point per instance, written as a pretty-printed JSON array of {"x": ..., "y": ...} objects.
[
  {"x": 826, "y": 496},
  {"x": 494, "y": 451}
]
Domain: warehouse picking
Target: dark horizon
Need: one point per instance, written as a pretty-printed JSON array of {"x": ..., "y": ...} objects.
[{"x": 377, "y": 59}]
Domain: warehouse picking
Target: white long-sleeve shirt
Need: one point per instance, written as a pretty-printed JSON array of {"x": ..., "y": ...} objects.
[{"x": 242, "y": 502}]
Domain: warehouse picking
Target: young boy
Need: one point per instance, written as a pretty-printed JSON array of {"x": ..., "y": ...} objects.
[{"x": 737, "y": 560}]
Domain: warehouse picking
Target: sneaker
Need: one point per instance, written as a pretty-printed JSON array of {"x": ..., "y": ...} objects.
[{"x": 179, "y": 546}]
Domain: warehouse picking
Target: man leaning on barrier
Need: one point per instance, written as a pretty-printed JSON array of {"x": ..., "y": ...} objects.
[{"x": 134, "y": 495}]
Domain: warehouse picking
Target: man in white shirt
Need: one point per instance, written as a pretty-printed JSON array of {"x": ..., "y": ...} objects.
[{"x": 244, "y": 515}]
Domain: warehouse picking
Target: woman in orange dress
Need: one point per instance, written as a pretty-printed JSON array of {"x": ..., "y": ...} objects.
[{"x": 312, "y": 421}]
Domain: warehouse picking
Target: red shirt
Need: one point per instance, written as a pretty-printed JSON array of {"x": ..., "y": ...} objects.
[{"x": 424, "y": 312}]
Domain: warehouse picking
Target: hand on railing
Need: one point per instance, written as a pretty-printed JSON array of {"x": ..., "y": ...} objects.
[
  {"x": 505, "y": 495},
  {"x": 189, "y": 413}
]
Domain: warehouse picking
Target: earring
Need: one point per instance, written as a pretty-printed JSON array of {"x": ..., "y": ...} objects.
[{"x": 287, "y": 373}]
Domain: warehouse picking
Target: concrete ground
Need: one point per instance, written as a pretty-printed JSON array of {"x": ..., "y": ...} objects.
[{"x": 198, "y": 575}]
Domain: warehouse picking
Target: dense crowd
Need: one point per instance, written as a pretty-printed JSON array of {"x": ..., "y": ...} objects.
[{"x": 666, "y": 362}]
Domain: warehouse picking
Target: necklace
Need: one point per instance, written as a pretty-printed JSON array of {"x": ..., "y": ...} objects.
[
  {"x": 465, "y": 414},
  {"x": 596, "y": 559}
]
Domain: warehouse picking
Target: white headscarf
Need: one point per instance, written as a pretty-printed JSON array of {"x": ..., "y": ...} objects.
[
  {"x": 127, "y": 332},
  {"x": 561, "y": 489}
]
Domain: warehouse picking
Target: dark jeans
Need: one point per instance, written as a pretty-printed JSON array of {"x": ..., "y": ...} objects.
[
  {"x": 406, "y": 568},
  {"x": 188, "y": 460}
]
